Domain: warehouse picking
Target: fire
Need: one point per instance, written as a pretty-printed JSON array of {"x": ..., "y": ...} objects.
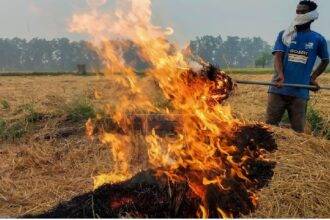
[
  {"x": 223, "y": 214},
  {"x": 203, "y": 211},
  {"x": 197, "y": 153}
]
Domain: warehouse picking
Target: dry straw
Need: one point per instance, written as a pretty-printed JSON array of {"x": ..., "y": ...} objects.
[{"x": 37, "y": 174}]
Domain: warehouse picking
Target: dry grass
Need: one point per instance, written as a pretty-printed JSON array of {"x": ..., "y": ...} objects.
[
  {"x": 46, "y": 92},
  {"x": 301, "y": 185},
  {"x": 250, "y": 100},
  {"x": 36, "y": 174}
]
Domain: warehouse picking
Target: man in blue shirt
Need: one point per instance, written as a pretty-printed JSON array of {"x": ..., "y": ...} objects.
[{"x": 295, "y": 53}]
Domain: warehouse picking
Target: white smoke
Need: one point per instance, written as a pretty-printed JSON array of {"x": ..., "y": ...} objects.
[{"x": 96, "y": 3}]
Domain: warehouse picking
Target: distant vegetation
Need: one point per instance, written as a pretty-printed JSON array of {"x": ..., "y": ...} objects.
[
  {"x": 58, "y": 55},
  {"x": 38, "y": 55},
  {"x": 267, "y": 70},
  {"x": 63, "y": 55},
  {"x": 233, "y": 52}
]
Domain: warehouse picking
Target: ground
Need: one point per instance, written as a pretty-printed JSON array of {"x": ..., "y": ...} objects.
[{"x": 44, "y": 166}]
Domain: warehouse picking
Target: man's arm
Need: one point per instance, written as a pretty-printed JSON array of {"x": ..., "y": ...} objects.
[
  {"x": 318, "y": 71},
  {"x": 278, "y": 65},
  {"x": 323, "y": 54}
]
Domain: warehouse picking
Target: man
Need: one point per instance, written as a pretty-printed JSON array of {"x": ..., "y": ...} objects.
[{"x": 295, "y": 53}]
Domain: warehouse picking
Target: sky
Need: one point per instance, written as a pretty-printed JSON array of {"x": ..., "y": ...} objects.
[{"x": 189, "y": 18}]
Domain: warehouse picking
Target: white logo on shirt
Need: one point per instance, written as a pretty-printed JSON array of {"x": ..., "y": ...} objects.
[{"x": 309, "y": 46}]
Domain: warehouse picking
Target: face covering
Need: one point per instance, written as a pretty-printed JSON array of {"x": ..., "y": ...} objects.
[{"x": 300, "y": 19}]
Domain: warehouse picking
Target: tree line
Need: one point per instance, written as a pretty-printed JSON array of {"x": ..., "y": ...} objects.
[
  {"x": 233, "y": 52},
  {"x": 61, "y": 54},
  {"x": 44, "y": 55}
]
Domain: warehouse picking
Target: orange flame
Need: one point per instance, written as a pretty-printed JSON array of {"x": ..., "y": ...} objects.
[{"x": 202, "y": 121}]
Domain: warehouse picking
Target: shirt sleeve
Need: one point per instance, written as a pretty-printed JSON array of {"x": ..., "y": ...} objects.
[
  {"x": 279, "y": 45},
  {"x": 322, "y": 50}
]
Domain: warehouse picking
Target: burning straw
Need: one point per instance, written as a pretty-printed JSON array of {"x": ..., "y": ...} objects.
[
  {"x": 132, "y": 198},
  {"x": 205, "y": 163}
]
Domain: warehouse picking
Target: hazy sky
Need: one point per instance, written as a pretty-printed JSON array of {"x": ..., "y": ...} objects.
[{"x": 189, "y": 18}]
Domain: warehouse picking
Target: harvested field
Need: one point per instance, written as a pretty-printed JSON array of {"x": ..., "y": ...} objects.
[
  {"x": 37, "y": 172},
  {"x": 252, "y": 98}
]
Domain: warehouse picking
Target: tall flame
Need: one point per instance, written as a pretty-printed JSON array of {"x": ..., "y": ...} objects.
[{"x": 193, "y": 154}]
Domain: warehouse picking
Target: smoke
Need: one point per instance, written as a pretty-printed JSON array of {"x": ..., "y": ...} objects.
[
  {"x": 34, "y": 8},
  {"x": 169, "y": 31},
  {"x": 96, "y": 3}
]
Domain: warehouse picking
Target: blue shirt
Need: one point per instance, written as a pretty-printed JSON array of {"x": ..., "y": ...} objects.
[{"x": 299, "y": 60}]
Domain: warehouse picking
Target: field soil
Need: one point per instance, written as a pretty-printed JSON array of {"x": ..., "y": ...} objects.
[{"x": 54, "y": 161}]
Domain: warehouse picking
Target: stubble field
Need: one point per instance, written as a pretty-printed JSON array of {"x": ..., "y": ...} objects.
[{"x": 45, "y": 157}]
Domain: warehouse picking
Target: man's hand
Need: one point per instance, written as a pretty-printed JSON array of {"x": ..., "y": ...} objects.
[
  {"x": 279, "y": 80},
  {"x": 314, "y": 83}
]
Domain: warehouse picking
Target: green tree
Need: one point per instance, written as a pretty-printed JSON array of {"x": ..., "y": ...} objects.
[
  {"x": 232, "y": 52},
  {"x": 264, "y": 59}
]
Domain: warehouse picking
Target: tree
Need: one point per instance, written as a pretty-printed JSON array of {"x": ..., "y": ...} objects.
[
  {"x": 264, "y": 59},
  {"x": 232, "y": 52},
  {"x": 64, "y": 55},
  {"x": 43, "y": 55}
]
